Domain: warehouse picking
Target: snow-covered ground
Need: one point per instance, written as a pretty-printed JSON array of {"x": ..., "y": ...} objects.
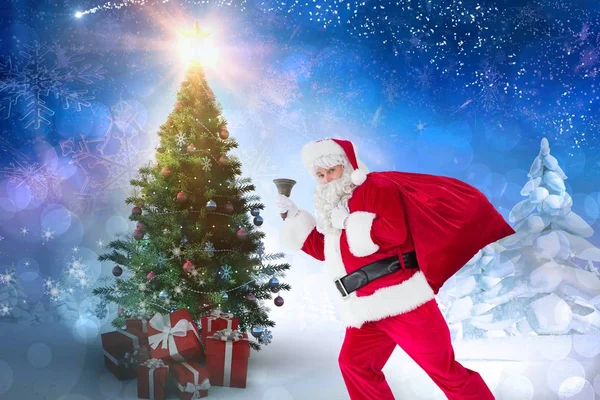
[{"x": 49, "y": 362}]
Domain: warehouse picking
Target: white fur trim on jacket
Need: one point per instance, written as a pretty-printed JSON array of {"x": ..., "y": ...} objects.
[
  {"x": 358, "y": 232},
  {"x": 386, "y": 302},
  {"x": 295, "y": 230}
]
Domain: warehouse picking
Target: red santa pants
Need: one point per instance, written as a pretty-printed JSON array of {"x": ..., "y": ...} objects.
[{"x": 424, "y": 335}]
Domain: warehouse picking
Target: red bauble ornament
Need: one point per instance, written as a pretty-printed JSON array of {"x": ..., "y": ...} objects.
[
  {"x": 138, "y": 235},
  {"x": 181, "y": 197},
  {"x": 117, "y": 270},
  {"x": 178, "y": 106},
  {"x": 185, "y": 83},
  {"x": 136, "y": 210},
  {"x": 191, "y": 148},
  {"x": 250, "y": 297},
  {"x": 166, "y": 172},
  {"x": 242, "y": 234},
  {"x": 188, "y": 267},
  {"x": 223, "y": 160},
  {"x": 121, "y": 311},
  {"x": 223, "y": 133},
  {"x": 229, "y": 208},
  {"x": 278, "y": 301},
  {"x": 150, "y": 276},
  {"x": 139, "y": 226}
]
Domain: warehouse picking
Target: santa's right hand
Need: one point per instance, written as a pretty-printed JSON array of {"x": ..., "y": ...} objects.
[{"x": 284, "y": 204}]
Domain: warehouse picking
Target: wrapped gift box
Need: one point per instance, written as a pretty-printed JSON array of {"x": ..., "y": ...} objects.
[
  {"x": 174, "y": 338},
  {"x": 191, "y": 379},
  {"x": 152, "y": 379},
  {"x": 227, "y": 354},
  {"x": 137, "y": 325},
  {"x": 120, "y": 349},
  {"x": 217, "y": 321}
]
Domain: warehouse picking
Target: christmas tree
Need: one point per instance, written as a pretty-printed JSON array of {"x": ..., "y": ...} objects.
[
  {"x": 542, "y": 279},
  {"x": 195, "y": 246}
]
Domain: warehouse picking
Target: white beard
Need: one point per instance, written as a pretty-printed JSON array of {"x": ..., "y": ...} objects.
[{"x": 330, "y": 195}]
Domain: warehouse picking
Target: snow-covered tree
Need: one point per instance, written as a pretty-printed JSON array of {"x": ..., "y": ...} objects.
[{"x": 542, "y": 279}]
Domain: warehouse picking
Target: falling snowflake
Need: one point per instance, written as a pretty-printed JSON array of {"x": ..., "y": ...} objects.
[
  {"x": 488, "y": 80},
  {"x": 24, "y": 231},
  {"x": 5, "y": 310},
  {"x": 266, "y": 337},
  {"x": 54, "y": 291},
  {"x": 100, "y": 243},
  {"x": 225, "y": 272},
  {"x": 180, "y": 139},
  {"x": 8, "y": 277},
  {"x": 44, "y": 71},
  {"x": 42, "y": 181},
  {"x": 209, "y": 248},
  {"x": 47, "y": 235},
  {"x": 205, "y": 163}
]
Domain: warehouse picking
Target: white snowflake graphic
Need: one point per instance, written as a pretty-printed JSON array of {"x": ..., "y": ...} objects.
[
  {"x": 180, "y": 139},
  {"x": 55, "y": 292},
  {"x": 176, "y": 251},
  {"x": 5, "y": 310},
  {"x": 8, "y": 277},
  {"x": 209, "y": 248},
  {"x": 43, "y": 71},
  {"x": 41, "y": 180},
  {"x": 112, "y": 161},
  {"x": 205, "y": 163},
  {"x": 47, "y": 235}
]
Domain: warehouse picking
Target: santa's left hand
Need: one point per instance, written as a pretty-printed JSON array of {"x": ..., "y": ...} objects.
[{"x": 339, "y": 215}]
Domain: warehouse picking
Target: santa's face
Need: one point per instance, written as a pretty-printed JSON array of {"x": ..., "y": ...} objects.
[
  {"x": 333, "y": 192},
  {"x": 326, "y": 175}
]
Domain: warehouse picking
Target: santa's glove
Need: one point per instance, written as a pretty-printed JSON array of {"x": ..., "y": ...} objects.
[
  {"x": 339, "y": 216},
  {"x": 284, "y": 204}
]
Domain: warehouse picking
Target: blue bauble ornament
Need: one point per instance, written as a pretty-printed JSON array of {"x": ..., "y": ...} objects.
[
  {"x": 258, "y": 221},
  {"x": 225, "y": 296},
  {"x": 273, "y": 282},
  {"x": 255, "y": 212},
  {"x": 163, "y": 294},
  {"x": 257, "y": 331}
]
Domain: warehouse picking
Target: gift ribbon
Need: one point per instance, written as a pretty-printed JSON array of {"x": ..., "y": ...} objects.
[
  {"x": 166, "y": 335},
  {"x": 228, "y": 336},
  {"x": 216, "y": 314},
  {"x": 195, "y": 387},
  {"x": 152, "y": 364},
  {"x": 129, "y": 359}
]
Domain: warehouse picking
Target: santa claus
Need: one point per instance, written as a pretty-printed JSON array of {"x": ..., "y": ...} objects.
[{"x": 389, "y": 241}]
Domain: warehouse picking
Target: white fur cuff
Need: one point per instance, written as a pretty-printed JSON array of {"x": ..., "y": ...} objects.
[
  {"x": 295, "y": 230},
  {"x": 358, "y": 232}
]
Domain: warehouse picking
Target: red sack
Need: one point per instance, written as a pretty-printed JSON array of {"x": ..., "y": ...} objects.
[{"x": 450, "y": 221}]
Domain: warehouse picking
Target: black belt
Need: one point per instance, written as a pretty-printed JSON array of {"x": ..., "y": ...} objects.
[{"x": 370, "y": 272}]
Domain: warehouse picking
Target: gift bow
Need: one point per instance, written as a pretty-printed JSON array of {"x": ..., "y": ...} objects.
[
  {"x": 195, "y": 389},
  {"x": 162, "y": 323},
  {"x": 220, "y": 314},
  {"x": 228, "y": 335}
]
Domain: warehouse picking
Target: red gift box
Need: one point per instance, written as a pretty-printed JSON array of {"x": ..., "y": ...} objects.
[
  {"x": 137, "y": 324},
  {"x": 217, "y": 321},
  {"x": 191, "y": 379},
  {"x": 227, "y": 354},
  {"x": 120, "y": 348},
  {"x": 152, "y": 379},
  {"x": 174, "y": 338}
]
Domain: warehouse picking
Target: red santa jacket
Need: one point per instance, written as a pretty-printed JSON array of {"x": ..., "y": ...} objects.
[{"x": 394, "y": 212}]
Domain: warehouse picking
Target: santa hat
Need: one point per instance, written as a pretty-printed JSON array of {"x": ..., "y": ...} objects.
[{"x": 327, "y": 147}]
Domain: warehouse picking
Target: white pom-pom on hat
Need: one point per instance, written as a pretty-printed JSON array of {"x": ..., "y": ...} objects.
[{"x": 314, "y": 150}]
